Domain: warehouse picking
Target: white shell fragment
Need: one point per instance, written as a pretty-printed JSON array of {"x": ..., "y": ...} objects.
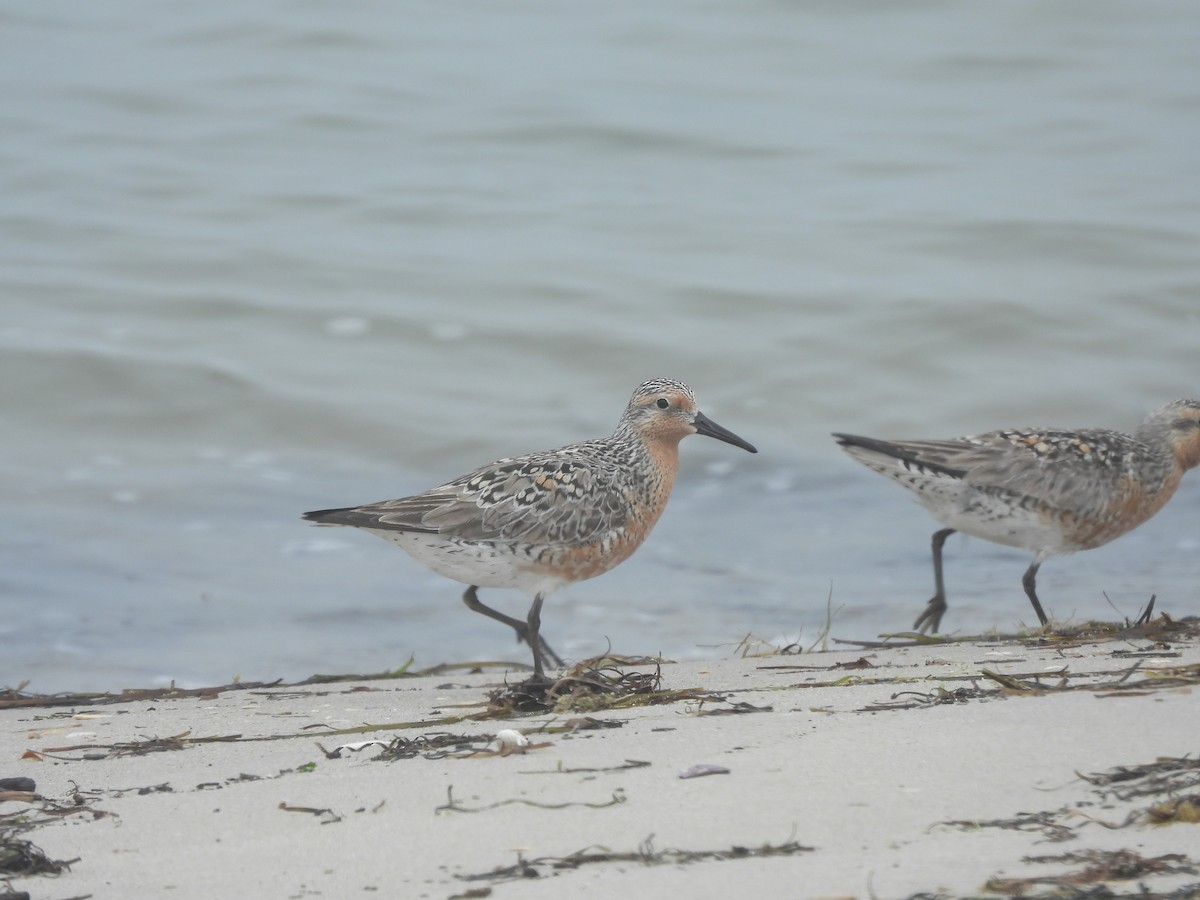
[{"x": 510, "y": 739}]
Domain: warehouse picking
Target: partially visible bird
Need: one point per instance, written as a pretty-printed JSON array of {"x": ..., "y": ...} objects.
[
  {"x": 1048, "y": 491},
  {"x": 539, "y": 521}
]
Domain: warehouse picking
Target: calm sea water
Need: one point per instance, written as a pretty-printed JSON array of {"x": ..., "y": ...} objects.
[{"x": 258, "y": 260}]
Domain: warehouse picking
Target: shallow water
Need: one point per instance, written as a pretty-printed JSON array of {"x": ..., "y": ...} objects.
[{"x": 261, "y": 261}]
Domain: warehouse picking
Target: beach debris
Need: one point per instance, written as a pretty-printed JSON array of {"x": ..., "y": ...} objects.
[
  {"x": 328, "y": 816},
  {"x": 733, "y": 709},
  {"x": 701, "y": 769},
  {"x": 590, "y": 685},
  {"x": 181, "y": 741},
  {"x": 1165, "y": 774},
  {"x": 1176, "y": 809},
  {"x": 1099, "y": 866},
  {"x": 353, "y": 747},
  {"x": 452, "y": 805},
  {"x": 435, "y": 745},
  {"x": 1159, "y": 630},
  {"x": 861, "y": 663},
  {"x": 509, "y": 739},
  {"x": 163, "y": 788},
  {"x": 443, "y": 745},
  {"x": 19, "y": 857},
  {"x": 936, "y": 697},
  {"x": 1167, "y": 781},
  {"x": 584, "y": 723},
  {"x": 646, "y": 853},
  {"x": 1046, "y": 823},
  {"x": 18, "y": 697},
  {"x": 560, "y": 769},
  {"x": 19, "y": 789}
]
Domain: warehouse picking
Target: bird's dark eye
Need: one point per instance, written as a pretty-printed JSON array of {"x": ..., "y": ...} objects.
[{"x": 663, "y": 403}]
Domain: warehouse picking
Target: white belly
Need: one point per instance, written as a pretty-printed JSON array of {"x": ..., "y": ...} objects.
[
  {"x": 986, "y": 516},
  {"x": 483, "y": 565}
]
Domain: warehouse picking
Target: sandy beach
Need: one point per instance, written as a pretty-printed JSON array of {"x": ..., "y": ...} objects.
[{"x": 1034, "y": 766}]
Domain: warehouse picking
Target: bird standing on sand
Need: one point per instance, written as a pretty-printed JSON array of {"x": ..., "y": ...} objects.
[
  {"x": 537, "y": 522},
  {"x": 1048, "y": 491}
]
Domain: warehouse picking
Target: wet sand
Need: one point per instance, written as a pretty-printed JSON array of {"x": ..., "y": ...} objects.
[{"x": 991, "y": 766}]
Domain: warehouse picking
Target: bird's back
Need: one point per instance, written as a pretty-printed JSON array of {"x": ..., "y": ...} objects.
[{"x": 1046, "y": 490}]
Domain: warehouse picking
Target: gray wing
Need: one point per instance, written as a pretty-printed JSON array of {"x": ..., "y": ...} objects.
[
  {"x": 544, "y": 499},
  {"x": 1063, "y": 469}
]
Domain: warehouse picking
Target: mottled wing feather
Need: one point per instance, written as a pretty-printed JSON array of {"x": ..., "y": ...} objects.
[
  {"x": 1064, "y": 470},
  {"x": 541, "y": 499}
]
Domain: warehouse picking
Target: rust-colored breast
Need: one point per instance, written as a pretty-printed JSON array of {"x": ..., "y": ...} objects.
[{"x": 1131, "y": 505}]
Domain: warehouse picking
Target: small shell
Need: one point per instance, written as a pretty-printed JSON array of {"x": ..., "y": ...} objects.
[{"x": 509, "y": 739}]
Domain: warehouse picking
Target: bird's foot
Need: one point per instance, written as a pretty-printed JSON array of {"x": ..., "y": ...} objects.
[{"x": 930, "y": 619}]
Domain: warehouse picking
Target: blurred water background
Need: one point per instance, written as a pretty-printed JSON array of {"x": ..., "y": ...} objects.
[{"x": 259, "y": 259}]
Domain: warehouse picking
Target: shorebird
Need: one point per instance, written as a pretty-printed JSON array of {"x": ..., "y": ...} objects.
[
  {"x": 1048, "y": 491},
  {"x": 539, "y": 521}
]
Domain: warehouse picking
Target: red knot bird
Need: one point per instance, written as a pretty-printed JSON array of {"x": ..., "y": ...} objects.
[
  {"x": 537, "y": 522},
  {"x": 1049, "y": 491}
]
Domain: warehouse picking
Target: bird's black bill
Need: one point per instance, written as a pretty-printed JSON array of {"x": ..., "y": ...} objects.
[{"x": 709, "y": 428}]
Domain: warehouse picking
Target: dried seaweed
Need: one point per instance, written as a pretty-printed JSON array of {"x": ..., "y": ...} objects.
[
  {"x": 1166, "y": 779},
  {"x": 560, "y": 769},
  {"x": 590, "y": 685},
  {"x": 1176, "y": 809},
  {"x": 1156, "y": 679},
  {"x": 327, "y": 816},
  {"x": 435, "y": 745},
  {"x": 1046, "y": 823},
  {"x": 1166, "y": 774},
  {"x": 11, "y": 698},
  {"x": 18, "y": 697},
  {"x": 452, "y": 805},
  {"x": 1098, "y": 866},
  {"x": 735, "y": 709},
  {"x": 20, "y": 857},
  {"x": 940, "y": 696},
  {"x": 645, "y": 854},
  {"x": 1159, "y": 630}
]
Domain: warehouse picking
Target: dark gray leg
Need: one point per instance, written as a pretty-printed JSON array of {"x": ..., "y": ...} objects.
[
  {"x": 533, "y": 622},
  {"x": 533, "y": 635},
  {"x": 931, "y": 618},
  {"x": 1029, "y": 581}
]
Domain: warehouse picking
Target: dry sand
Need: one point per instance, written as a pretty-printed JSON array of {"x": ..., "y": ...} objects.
[{"x": 866, "y": 772}]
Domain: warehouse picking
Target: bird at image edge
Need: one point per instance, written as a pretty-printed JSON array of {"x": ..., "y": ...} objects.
[
  {"x": 542, "y": 520},
  {"x": 1048, "y": 491}
]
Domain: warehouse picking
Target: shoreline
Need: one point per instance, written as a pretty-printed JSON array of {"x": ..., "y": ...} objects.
[{"x": 990, "y": 767}]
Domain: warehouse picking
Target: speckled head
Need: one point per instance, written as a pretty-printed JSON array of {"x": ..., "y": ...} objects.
[
  {"x": 664, "y": 410},
  {"x": 1178, "y": 423}
]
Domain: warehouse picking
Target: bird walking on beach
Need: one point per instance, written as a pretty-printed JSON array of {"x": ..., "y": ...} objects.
[
  {"x": 539, "y": 521},
  {"x": 1048, "y": 491}
]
